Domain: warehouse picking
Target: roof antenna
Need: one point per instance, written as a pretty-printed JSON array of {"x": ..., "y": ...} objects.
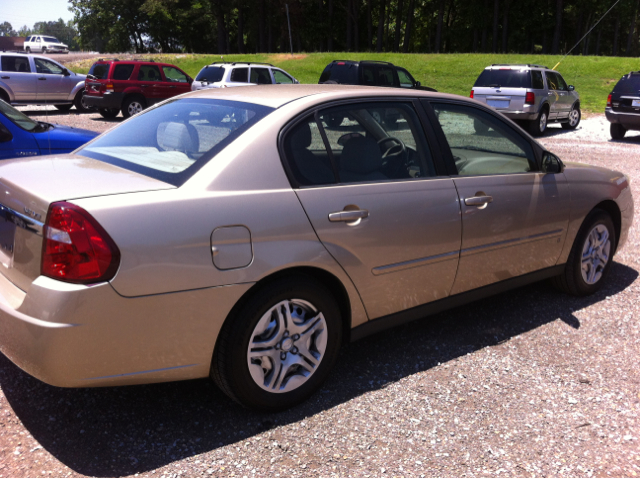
[{"x": 585, "y": 35}]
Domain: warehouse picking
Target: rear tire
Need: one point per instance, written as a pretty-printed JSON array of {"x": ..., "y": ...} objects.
[
  {"x": 617, "y": 131},
  {"x": 279, "y": 347},
  {"x": 132, "y": 106},
  {"x": 44, "y": 50},
  {"x": 574, "y": 118},
  {"x": 108, "y": 112},
  {"x": 538, "y": 126},
  {"x": 591, "y": 256},
  {"x": 78, "y": 101}
]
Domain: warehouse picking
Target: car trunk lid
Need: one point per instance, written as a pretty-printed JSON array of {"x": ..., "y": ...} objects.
[{"x": 29, "y": 186}]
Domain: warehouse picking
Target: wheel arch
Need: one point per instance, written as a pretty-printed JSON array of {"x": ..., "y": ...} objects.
[
  {"x": 4, "y": 94},
  {"x": 610, "y": 207}
]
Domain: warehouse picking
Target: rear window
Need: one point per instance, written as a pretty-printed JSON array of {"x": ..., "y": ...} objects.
[
  {"x": 211, "y": 74},
  {"x": 100, "y": 70},
  {"x": 628, "y": 85},
  {"x": 171, "y": 142},
  {"x": 345, "y": 73},
  {"x": 504, "y": 78},
  {"x": 123, "y": 71}
]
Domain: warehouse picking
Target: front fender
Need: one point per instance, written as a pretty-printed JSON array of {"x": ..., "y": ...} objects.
[
  {"x": 8, "y": 90},
  {"x": 79, "y": 86}
]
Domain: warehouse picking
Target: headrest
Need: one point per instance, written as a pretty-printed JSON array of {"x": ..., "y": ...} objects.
[
  {"x": 176, "y": 137},
  {"x": 301, "y": 137},
  {"x": 361, "y": 155}
]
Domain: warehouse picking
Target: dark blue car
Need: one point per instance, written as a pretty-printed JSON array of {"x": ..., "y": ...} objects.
[{"x": 20, "y": 136}]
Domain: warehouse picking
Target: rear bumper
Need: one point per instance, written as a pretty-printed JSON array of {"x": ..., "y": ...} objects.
[
  {"x": 108, "y": 100},
  {"x": 519, "y": 115},
  {"x": 83, "y": 336},
  {"x": 631, "y": 121}
]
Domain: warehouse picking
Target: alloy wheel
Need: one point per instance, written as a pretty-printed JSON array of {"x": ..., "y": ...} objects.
[
  {"x": 543, "y": 122},
  {"x": 287, "y": 346},
  {"x": 595, "y": 254},
  {"x": 574, "y": 117},
  {"x": 134, "y": 108}
]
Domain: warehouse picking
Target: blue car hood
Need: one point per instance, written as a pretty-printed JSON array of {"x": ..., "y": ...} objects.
[{"x": 63, "y": 139}]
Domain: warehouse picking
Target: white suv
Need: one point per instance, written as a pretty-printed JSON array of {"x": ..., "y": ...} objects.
[
  {"x": 44, "y": 44},
  {"x": 222, "y": 75}
]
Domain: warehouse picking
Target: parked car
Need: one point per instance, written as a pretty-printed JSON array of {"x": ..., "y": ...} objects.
[
  {"x": 223, "y": 75},
  {"x": 131, "y": 86},
  {"x": 370, "y": 73},
  {"x": 20, "y": 136},
  {"x": 44, "y": 44},
  {"x": 533, "y": 94},
  {"x": 623, "y": 106},
  {"x": 238, "y": 234},
  {"x": 38, "y": 80}
]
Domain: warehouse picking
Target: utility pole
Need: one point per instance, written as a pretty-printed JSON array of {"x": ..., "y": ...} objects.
[{"x": 289, "y": 24}]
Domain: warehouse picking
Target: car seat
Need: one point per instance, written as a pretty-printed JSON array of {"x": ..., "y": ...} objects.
[
  {"x": 361, "y": 160},
  {"x": 310, "y": 167}
]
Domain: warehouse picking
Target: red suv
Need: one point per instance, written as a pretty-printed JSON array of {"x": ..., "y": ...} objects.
[{"x": 131, "y": 85}]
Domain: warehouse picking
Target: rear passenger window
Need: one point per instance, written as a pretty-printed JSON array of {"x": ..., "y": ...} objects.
[
  {"x": 240, "y": 75},
  {"x": 307, "y": 155},
  {"x": 123, "y": 71},
  {"x": 15, "y": 64},
  {"x": 260, "y": 76},
  {"x": 482, "y": 144},
  {"x": 149, "y": 73},
  {"x": 536, "y": 80}
]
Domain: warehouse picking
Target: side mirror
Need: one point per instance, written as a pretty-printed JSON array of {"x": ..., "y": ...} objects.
[
  {"x": 551, "y": 163},
  {"x": 5, "y": 135},
  {"x": 571, "y": 88},
  {"x": 418, "y": 83},
  {"x": 66, "y": 72}
]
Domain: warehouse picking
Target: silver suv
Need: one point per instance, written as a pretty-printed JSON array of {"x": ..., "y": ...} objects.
[
  {"x": 534, "y": 94},
  {"x": 38, "y": 80},
  {"x": 223, "y": 75}
]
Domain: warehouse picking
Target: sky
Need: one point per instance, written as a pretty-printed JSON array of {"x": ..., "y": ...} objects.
[{"x": 21, "y": 12}]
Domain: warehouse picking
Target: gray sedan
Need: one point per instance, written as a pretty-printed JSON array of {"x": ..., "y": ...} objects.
[{"x": 245, "y": 234}]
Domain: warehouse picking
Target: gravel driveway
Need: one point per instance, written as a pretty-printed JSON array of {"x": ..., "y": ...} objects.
[{"x": 527, "y": 383}]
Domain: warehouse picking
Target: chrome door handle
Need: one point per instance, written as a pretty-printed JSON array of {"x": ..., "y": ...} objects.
[
  {"x": 42, "y": 78},
  {"x": 5, "y": 78},
  {"x": 348, "y": 216},
  {"x": 478, "y": 200}
]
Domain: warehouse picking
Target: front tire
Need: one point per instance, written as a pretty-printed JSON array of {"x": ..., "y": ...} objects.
[
  {"x": 133, "y": 106},
  {"x": 279, "y": 347},
  {"x": 108, "y": 113},
  {"x": 591, "y": 256},
  {"x": 28, "y": 49},
  {"x": 538, "y": 126},
  {"x": 617, "y": 131},
  {"x": 80, "y": 104},
  {"x": 574, "y": 118}
]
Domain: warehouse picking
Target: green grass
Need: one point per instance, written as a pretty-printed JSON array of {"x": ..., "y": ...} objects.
[{"x": 593, "y": 77}]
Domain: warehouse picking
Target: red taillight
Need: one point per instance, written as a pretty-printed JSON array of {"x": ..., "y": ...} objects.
[
  {"x": 609, "y": 101},
  {"x": 76, "y": 249},
  {"x": 471, "y": 94},
  {"x": 529, "y": 98}
]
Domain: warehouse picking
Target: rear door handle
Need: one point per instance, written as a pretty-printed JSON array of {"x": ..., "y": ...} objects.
[
  {"x": 5, "y": 78},
  {"x": 478, "y": 200},
  {"x": 348, "y": 216},
  {"x": 42, "y": 78}
]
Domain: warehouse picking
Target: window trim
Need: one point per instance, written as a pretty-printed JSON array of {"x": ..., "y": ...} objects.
[
  {"x": 434, "y": 148},
  {"x": 507, "y": 123}
]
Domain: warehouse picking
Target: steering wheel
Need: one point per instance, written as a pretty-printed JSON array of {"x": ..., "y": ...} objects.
[{"x": 396, "y": 149}]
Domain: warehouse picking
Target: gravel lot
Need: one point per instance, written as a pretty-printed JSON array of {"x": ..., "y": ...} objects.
[{"x": 527, "y": 383}]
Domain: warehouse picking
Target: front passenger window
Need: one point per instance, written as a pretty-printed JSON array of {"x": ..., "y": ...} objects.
[{"x": 482, "y": 144}]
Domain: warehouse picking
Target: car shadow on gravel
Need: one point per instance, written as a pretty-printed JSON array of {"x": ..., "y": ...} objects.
[
  {"x": 127, "y": 430},
  {"x": 41, "y": 112}
]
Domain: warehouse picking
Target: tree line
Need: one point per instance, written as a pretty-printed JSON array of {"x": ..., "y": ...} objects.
[{"x": 409, "y": 26}]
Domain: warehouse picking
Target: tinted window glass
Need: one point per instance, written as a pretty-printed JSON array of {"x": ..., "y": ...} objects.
[
  {"x": 536, "y": 80},
  {"x": 562, "y": 85},
  {"x": 385, "y": 76},
  {"x": 172, "y": 74},
  {"x": 260, "y": 76},
  {"x": 281, "y": 77},
  {"x": 212, "y": 74},
  {"x": 504, "y": 78},
  {"x": 628, "y": 85},
  {"x": 20, "y": 119},
  {"x": 149, "y": 73},
  {"x": 123, "y": 71},
  {"x": 345, "y": 73},
  {"x": 482, "y": 144},
  {"x": 368, "y": 75},
  {"x": 406, "y": 80},
  {"x": 555, "y": 81},
  {"x": 51, "y": 40},
  {"x": 15, "y": 64},
  {"x": 172, "y": 142},
  {"x": 376, "y": 142},
  {"x": 307, "y": 155},
  {"x": 100, "y": 70},
  {"x": 47, "y": 67},
  {"x": 240, "y": 75}
]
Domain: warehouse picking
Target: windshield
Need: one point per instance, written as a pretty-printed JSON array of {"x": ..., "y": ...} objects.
[
  {"x": 210, "y": 74},
  {"x": 51, "y": 39},
  {"x": 504, "y": 78},
  {"x": 171, "y": 142},
  {"x": 20, "y": 119}
]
